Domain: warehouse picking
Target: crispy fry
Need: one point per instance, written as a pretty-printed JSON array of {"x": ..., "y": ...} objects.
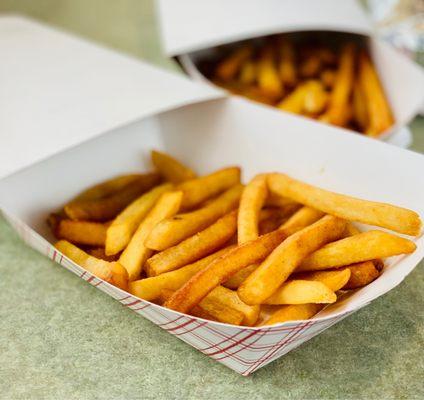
[
  {"x": 248, "y": 73},
  {"x": 228, "y": 68},
  {"x": 111, "y": 272},
  {"x": 379, "y": 113},
  {"x": 125, "y": 224},
  {"x": 334, "y": 280},
  {"x": 342, "y": 89},
  {"x": 81, "y": 232},
  {"x": 360, "y": 112},
  {"x": 106, "y": 208},
  {"x": 201, "y": 189},
  {"x": 150, "y": 288},
  {"x": 99, "y": 252},
  {"x": 362, "y": 274},
  {"x": 299, "y": 291},
  {"x": 219, "y": 270},
  {"x": 195, "y": 247},
  {"x": 301, "y": 219},
  {"x": 368, "y": 212},
  {"x": 328, "y": 78},
  {"x": 295, "y": 312},
  {"x": 251, "y": 202},
  {"x": 287, "y": 67},
  {"x": 136, "y": 253},
  {"x": 170, "y": 168},
  {"x": 268, "y": 78},
  {"x": 278, "y": 266},
  {"x": 364, "y": 246},
  {"x": 172, "y": 231}
]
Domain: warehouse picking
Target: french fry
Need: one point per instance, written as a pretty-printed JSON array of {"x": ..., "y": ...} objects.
[
  {"x": 287, "y": 66},
  {"x": 125, "y": 224},
  {"x": 295, "y": 101},
  {"x": 172, "y": 231},
  {"x": 342, "y": 89},
  {"x": 239, "y": 277},
  {"x": 368, "y": 212},
  {"x": 195, "y": 247},
  {"x": 278, "y": 266},
  {"x": 364, "y": 246},
  {"x": 362, "y": 274},
  {"x": 248, "y": 73},
  {"x": 301, "y": 219},
  {"x": 81, "y": 232},
  {"x": 328, "y": 77},
  {"x": 379, "y": 113},
  {"x": 334, "y": 280},
  {"x": 267, "y": 74},
  {"x": 295, "y": 312},
  {"x": 150, "y": 288},
  {"x": 275, "y": 200},
  {"x": 228, "y": 68},
  {"x": 251, "y": 202},
  {"x": 136, "y": 253},
  {"x": 170, "y": 168},
  {"x": 201, "y": 189},
  {"x": 315, "y": 98},
  {"x": 99, "y": 252},
  {"x": 111, "y": 272},
  {"x": 106, "y": 208},
  {"x": 221, "y": 269},
  {"x": 297, "y": 291},
  {"x": 360, "y": 112}
]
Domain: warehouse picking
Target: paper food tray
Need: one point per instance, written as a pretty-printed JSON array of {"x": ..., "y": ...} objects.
[
  {"x": 189, "y": 32},
  {"x": 207, "y": 133}
]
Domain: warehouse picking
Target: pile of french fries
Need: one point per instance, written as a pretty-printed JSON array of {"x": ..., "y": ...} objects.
[
  {"x": 273, "y": 250},
  {"x": 333, "y": 83}
]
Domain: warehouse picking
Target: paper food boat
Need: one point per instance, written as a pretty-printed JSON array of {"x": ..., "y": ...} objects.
[
  {"x": 75, "y": 114},
  {"x": 191, "y": 29}
]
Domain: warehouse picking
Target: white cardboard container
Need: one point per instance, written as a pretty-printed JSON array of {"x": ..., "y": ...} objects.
[
  {"x": 81, "y": 114},
  {"x": 190, "y": 30}
]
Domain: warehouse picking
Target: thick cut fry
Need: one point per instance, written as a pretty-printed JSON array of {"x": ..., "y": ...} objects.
[
  {"x": 278, "y": 266},
  {"x": 172, "y": 231},
  {"x": 360, "y": 112},
  {"x": 379, "y": 113},
  {"x": 136, "y": 253},
  {"x": 287, "y": 67},
  {"x": 81, "y": 232},
  {"x": 150, "y": 288},
  {"x": 170, "y": 168},
  {"x": 364, "y": 246},
  {"x": 268, "y": 78},
  {"x": 201, "y": 189},
  {"x": 124, "y": 225},
  {"x": 248, "y": 73},
  {"x": 334, "y": 280},
  {"x": 230, "y": 299},
  {"x": 361, "y": 274},
  {"x": 195, "y": 247},
  {"x": 301, "y": 219},
  {"x": 295, "y": 312},
  {"x": 342, "y": 89},
  {"x": 106, "y": 208},
  {"x": 228, "y": 68},
  {"x": 251, "y": 202},
  {"x": 368, "y": 212},
  {"x": 219, "y": 270},
  {"x": 111, "y": 272},
  {"x": 99, "y": 252},
  {"x": 298, "y": 291}
]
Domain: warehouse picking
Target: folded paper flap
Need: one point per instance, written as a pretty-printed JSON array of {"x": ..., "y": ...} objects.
[
  {"x": 189, "y": 25},
  {"x": 58, "y": 90}
]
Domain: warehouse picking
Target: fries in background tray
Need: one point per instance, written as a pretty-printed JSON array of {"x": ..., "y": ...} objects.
[
  {"x": 330, "y": 78},
  {"x": 273, "y": 250}
]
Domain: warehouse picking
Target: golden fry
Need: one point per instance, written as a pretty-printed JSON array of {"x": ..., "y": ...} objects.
[
  {"x": 195, "y": 247},
  {"x": 239, "y": 277},
  {"x": 268, "y": 78},
  {"x": 170, "y": 168},
  {"x": 334, "y": 280},
  {"x": 362, "y": 274},
  {"x": 125, "y": 224},
  {"x": 295, "y": 312},
  {"x": 301, "y": 219},
  {"x": 81, "y": 232},
  {"x": 295, "y": 101},
  {"x": 228, "y": 68},
  {"x": 368, "y": 212},
  {"x": 364, "y": 246},
  {"x": 278, "y": 266},
  {"x": 201, "y": 189},
  {"x": 106, "y": 208},
  {"x": 360, "y": 112},
  {"x": 136, "y": 253},
  {"x": 172, "y": 231},
  {"x": 315, "y": 98},
  {"x": 251, "y": 202}
]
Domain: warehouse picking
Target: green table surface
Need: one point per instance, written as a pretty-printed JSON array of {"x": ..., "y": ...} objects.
[{"x": 60, "y": 338}]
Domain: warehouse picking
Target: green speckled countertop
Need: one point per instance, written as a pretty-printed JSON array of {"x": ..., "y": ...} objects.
[{"x": 60, "y": 338}]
